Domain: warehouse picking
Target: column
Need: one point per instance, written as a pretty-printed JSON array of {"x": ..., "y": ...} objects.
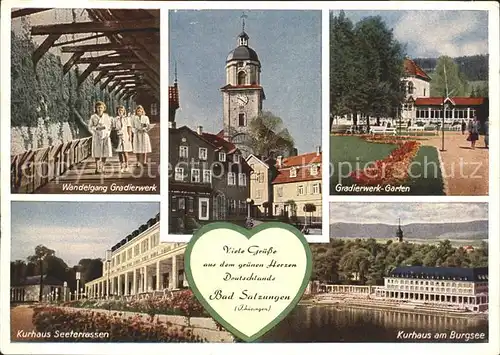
[
  {"x": 157, "y": 288},
  {"x": 126, "y": 291},
  {"x": 112, "y": 289},
  {"x": 174, "y": 272},
  {"x": 145, "y": 279},
  {"x": 134, "y": 283},
  {"x": 118, "y": 285}
]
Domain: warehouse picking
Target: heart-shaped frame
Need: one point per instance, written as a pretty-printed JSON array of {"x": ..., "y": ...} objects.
[{"x": 248, "y": 233}]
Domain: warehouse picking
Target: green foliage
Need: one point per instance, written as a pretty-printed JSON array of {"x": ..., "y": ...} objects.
[
  {"x": 340, "y": 260},
  {"x": 474, "y": 68},
  {"x": 454, "y": 78},
  {"x": 366, "y": 66},
  {"x": 43, "y": 91}
]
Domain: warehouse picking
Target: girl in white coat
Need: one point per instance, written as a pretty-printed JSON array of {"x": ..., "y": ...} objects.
[
  {"x": 141, "y": 142},
  {"x": 100, "y": 127},
  {"x": 123, "y": 127}
]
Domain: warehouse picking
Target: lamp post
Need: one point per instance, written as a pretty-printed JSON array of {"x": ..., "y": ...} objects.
[
  {"x": 65, "y": 289},
  {"x": 108, "y": 264},
  {"x": 77, "y": 284},
  {"x": 249, "y": 223}
]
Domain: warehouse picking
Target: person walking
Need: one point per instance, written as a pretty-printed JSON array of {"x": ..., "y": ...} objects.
[
  {"x": 473, "y": 129},
  {"x": 141, "y": 141},
  {"x": 487, "y": 133},
  {"x": 464, "y": 126},
  {"x": 122, "y": 127}
]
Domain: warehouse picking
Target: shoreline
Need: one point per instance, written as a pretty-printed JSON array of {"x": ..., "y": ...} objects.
[{"x": 380, "y": 305}]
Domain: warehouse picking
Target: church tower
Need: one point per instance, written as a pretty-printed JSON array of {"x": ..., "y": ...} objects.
[
  {"x": 399, "y": 232},
  {"x": 242, "y": 95}
]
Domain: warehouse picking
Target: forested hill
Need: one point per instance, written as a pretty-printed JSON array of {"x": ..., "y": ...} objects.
[{"x": 475, "y": 68}]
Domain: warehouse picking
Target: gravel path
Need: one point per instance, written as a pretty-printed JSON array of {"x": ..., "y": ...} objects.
[
  {"x": 466, "y": 170},
  {"x": 20, "y": 319}
]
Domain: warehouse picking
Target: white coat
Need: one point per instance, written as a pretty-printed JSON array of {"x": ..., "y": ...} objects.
[
  {"x": 100, "y": 127},
  {"x": 140, "y": 127}
]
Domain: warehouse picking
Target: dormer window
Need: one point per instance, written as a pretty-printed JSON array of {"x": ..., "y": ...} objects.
[
  {"x": 293, "y": 172},
  {"x": 202, "y": 153},
  {"x": 236, "y": 158},
  {"x": 222, "y": 156},
  {"x": 314, "y": 170}
]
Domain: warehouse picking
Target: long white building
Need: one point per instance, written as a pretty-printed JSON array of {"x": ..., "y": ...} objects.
[
  {"x": 465, "y": 288},
  {"x": 139, "y": 263}
]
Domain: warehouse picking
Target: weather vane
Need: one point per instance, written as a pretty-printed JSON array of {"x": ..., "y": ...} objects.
[{"x": 243, "y": 17}]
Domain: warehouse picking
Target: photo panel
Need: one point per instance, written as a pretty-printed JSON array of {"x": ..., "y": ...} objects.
[
  {"x": 402, "y": 272},
  {"x": 85, "y": 107},
  {"x": 409, "y": 109},
  {"x": 245, "y": 119}
]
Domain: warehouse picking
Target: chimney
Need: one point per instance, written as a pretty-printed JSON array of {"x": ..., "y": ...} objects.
[
  {"x": 318, "y": 150},
  {"x": 279, "y": 161},
  {"x": 171, "y": 124},
  {"x": 199, "y": 130}
]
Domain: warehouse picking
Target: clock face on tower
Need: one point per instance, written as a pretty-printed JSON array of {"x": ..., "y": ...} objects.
[{"x": 242, "y": 99}]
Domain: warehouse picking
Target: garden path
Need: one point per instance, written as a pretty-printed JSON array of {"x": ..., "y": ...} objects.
[{"x": 466, "y": 171}]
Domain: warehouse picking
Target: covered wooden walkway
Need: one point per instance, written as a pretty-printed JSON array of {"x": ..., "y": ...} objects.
[{"x": 119, "y": 50}]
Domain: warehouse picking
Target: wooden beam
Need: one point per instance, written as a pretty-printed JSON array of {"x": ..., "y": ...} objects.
[
  {"x": 86, "y": 73},
  {"x": 122, "y": 67},
  {"x": 79, "y": 40},
  {"x": 99, "y": 76},
  {"x": 71, "y": 61},
  {"x": 109, "y": 60},
  {"x": 98, "y": 48},
  {"x": 113, "y": 86},
  {"x": 44, "y": 47},
  {"x": 24, "y": 12},
  {"x": 124, "y": 76},
  {"x": 108, "y": 80},
  {"x": 152, "y": 25}
]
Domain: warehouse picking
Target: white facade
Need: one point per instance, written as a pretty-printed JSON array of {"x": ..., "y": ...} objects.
[
  {"x": 141, "y": 265},
  {"x": 471, "y": 295}
]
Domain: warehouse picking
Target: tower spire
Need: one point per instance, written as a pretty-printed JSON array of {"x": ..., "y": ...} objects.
[
  {"x": 243, "y": 17},
  {"x": 175, "y": 72}
]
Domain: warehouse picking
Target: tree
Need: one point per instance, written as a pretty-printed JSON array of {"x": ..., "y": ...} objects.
[
  {"x": 40, "y": 257},
  {"x": 457, "y": 83},
  {"x": 267, "y": 136}
]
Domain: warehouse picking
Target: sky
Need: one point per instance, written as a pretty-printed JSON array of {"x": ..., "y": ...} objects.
[
  {"x": 288, "y": 44},
  {"x": 75, "y": 230},
  {"x": 389, "y": 213},
  {"x": 432, "y": 33}
]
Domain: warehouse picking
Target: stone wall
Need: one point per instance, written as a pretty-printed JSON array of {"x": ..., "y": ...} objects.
[{"x": 43, "y": 135}]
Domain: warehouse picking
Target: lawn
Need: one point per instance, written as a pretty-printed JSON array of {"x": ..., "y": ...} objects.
[{"x": 351, "y": 153}]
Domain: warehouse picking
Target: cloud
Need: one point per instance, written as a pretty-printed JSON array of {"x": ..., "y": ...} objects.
[
  {"x": 408, "y": 212},
  {"x": 435, "y": 33}
]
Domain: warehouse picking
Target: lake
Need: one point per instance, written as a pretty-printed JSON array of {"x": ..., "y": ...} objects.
[{"x": 328, "y": 323}]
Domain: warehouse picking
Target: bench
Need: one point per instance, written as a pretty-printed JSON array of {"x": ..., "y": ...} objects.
[{"x": 382, "y": 130}]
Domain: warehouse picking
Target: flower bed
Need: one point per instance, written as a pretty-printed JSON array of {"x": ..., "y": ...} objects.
[
  {"x": 391, "y": 170},
  {"x": 182, "y": 303},
  {"x": 100, "y": 327}
]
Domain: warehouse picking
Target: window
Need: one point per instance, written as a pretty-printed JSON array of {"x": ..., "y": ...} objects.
[
  {"x": 316, "y": 189},
  {"x": 222, "y": 156},
  {"x": 173, "y": 204},
  {"x": 261, "y": 177},
  {"x": 258, "y": 194},
  {"x": 154, "y": 109},
  {"x": 207, "y": 176},
  {"x": 241, "y": 120},
  {"x": 195, "y": 175},
  {"x": 300, "y": 190},
  {"x": 293, "y": 172},
  {"x": 279, "y": 191},
  {"x": 183, "y": 151},
  {"x": 231, "y": 179},
  {"x": 190, "y": 204},
  {"x": 242, "y": 179},
  {"x": 242, "y": 78},
  {"x": 182, "y": 204},
  {"x": 424, "y": 91},
  {"x": 179, "y": 174},
  {"x": 136, "y": 250},
  {"x": 410, "y": 88},
  {"x": 314, "y": 170},
  {"x": 202, "y": 153},
  {"x": 129, "y": 252},
  {"x": 236, "y": 158}
]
